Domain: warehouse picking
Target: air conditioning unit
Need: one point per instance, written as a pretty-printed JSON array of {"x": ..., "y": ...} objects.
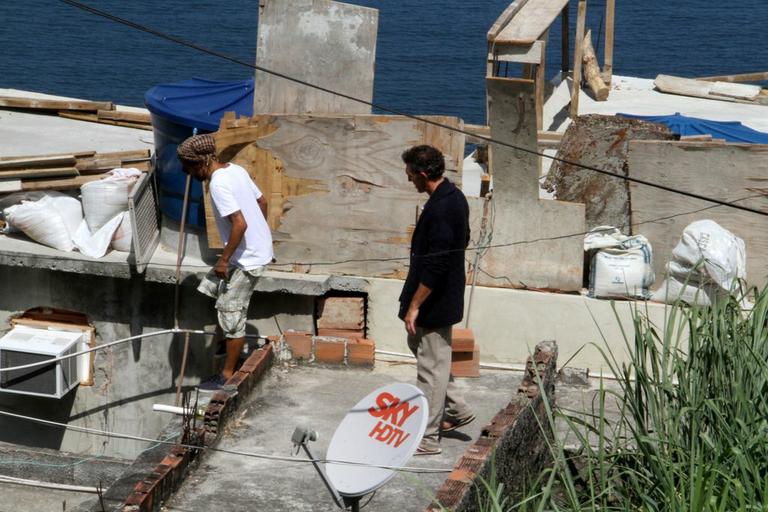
[{"x": 24, "y": 345}]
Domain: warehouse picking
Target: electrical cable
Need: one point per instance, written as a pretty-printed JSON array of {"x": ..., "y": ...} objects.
[
  {"x": 177, "y": 40},
  {"x": 280, "y": 458}
]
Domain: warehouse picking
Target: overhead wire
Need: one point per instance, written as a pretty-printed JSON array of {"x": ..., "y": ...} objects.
[
  {"x": 280, "y": 458},
  {"x": 383, "y": 108}
]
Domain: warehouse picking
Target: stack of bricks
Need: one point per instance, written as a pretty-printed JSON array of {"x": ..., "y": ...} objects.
[
  {"x": 330, "y": 349},
  {"x": 465, "y": 360}
]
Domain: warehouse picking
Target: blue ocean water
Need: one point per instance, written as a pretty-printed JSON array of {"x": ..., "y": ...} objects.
[{"x": 430, "y": 54}]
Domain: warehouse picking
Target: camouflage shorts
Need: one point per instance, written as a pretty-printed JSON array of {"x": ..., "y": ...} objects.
[{"x": 232, "y": 296}]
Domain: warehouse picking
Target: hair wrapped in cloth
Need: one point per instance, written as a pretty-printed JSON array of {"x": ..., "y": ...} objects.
[{"x": 197, "y": 149}]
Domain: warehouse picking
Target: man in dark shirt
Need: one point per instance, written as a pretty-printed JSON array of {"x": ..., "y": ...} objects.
[{"x": 432, "y": 300}]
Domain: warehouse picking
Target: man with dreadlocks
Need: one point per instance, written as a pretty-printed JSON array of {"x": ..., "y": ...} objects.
[{"x": 240, "y": 211}]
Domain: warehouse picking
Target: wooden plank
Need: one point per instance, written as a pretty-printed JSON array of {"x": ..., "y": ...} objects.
[
  {"x": 41, "y": 104},
  {"x": 530, "y": 23},
  {"x": 502, "y": 21},
  {"x": 42, "y": 172},
  {"x": 724, "y": 171},
  {"x": 610, "y": 12},
  {"x": 10, "y": 186},
  {"x": 43, "y": 161},
  {"x": 93, "y": 118},
  {"x": 61, "y": 184},
  {"x": 744, "y": 77},
  {"x": 526, "y": 54},
  {"x": 592, "y": 70},
  {"x": 577, "y": 56},
  {"x": 330, "y": 44},
  {"x": 79, "y": 154},
  {"x": 328, "y": 179},
  {"x": 701, "y": 89},
  {"x": 121, "y": 115}
]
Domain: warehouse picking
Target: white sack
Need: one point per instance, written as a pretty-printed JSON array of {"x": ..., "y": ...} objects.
[
  {"x": 121, "y": 240},
  {"x": 721, "y": 253},
  {"x": 41, "y": 221},
  {"x": 96, "y": 245},
  {"x": 672, "y": 290},
  {"x": 103, "y": 199},
  {"x": 603, "y": 237}
]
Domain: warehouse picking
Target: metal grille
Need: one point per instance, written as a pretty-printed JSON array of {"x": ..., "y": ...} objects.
[
  {"x": 40, "y": 379},
  {"x": 145, "y": 220}
]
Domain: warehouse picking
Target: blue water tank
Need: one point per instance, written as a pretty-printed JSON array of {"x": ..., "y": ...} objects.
[{"x": 178, "y": 109}]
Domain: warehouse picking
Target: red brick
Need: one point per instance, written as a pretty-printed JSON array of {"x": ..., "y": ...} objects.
[
  {"x": 466, "y": 364},
  {"x": 300, "y": 343},
  {"x": 463, "y": 340},
  {"x": 329, "y": 351},
  {"x": 341, "y": 313},
  {"x": 361, "y": 352},
  {"x": 351, "y": 334}
]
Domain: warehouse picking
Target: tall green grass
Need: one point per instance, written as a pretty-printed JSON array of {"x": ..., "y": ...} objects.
[{"x": 692, "y": 429}]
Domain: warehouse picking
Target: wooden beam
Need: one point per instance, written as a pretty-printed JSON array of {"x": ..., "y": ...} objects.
[
  {"x": 79, "y": 154},
  {"x": 504, "y": 18},
  {"x": 540, "y": 78},
  {"x": 62, "y": 184},
  {"x": 43, "y": 172},
  {"x": 744, "y": 77},
  {"x": 577, "y": 56},
  {"x": 121, "y": 115},
  {"x": 723, "y": 91},
  {"x": 40, "y": 104},
  {"x": 610, "y": 10},
  {"x": 592, "y": 70},
  {"x": 531, "y": 22},
  {"x": 526, "y": 54},
  {"x": 42, "y": 161},
  {"x": 565, "y": 29}
]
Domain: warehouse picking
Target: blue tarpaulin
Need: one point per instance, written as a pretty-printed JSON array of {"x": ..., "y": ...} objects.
[{"x": 731, "y": 131}]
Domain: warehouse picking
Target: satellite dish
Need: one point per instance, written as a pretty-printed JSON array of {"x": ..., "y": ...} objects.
[{"x": 383, "y": 429}]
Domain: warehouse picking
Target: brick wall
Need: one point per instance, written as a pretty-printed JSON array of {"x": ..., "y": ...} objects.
[{"x": 514, "y": 445}]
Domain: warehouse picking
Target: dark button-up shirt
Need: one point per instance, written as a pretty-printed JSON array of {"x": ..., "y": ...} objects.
[{"x": 437, "y": 258}]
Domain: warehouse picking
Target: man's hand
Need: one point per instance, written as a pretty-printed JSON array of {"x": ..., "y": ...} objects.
[
  {"x": 222, "y": 268},
  {"x": 410, "y": 320}
]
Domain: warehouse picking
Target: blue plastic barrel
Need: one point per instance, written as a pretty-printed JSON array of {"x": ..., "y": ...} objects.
[{"x": 177, "y": 109}]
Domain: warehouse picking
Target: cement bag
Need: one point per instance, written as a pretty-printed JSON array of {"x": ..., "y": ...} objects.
[
  {"x": 622, "y": 272},
  {"x": 709, "y": 253},
  {"x": 603, "y": 237},
  {"x": 41, "y": 221},
  {"x": 103, "y": 199},
  {"x": 121, "y": 240},
  {"x": 96, "y": 245}
]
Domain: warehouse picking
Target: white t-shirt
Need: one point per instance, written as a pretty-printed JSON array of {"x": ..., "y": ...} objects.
[{"x": 232, "y": 189}]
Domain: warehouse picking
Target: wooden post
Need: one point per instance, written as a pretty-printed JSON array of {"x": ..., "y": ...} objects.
[
  {"x": 592, "y": 70},
  {"x": 577, "y": 56},
  {"x": 565, "y": 28},
  {"x": 540, "y": 78},
  {"x": 610, "y": 10}
]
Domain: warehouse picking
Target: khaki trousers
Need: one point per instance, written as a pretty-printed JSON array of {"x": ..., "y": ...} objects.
[{"x": 432, "y": 348}]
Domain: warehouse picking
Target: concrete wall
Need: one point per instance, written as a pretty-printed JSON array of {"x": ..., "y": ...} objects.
[
  {"x": 128, "y": 378},
  {"x": 509, "y": 323}
]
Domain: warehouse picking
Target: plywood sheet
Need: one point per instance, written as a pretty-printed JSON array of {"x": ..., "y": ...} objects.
[
  {"x": 724, "y": 171},
  {"x": 337, "y": 187},
  {"x": 326, "y": 43},
  {"x": 530, "y": 23}
]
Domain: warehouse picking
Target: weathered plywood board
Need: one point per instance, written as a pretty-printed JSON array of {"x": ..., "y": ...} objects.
[
  {"x": 520, "y": 216},
  {"x": 325, "y": 43},
  {"x": 337, "y": 187},
  {"x": 724, "y": 171},
  {"x": 530, "y": 22}
]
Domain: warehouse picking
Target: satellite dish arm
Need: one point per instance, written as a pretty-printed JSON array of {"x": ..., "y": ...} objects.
[{"x": 302, "y": 436}]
